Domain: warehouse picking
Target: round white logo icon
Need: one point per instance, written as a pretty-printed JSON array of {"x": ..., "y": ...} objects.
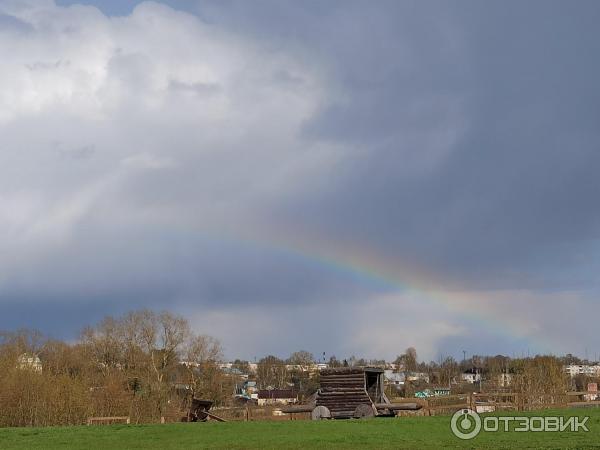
[{"x": 465, "y": 424}]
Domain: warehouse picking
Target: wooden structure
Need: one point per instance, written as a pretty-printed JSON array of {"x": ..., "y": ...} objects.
[
  {"x": 108, "y": 420},
  {"x": 199, "y": 411},
  {"x": 346, "y": 393}
]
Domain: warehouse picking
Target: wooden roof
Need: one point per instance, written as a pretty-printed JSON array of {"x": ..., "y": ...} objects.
[{"x": 350, "y": 370}]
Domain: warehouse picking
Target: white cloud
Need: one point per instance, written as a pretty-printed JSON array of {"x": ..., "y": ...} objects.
[
  {"x": 381, "y": 326},
  {"x": 206, "y": 110},
  {"x": 547, "y": 320}
]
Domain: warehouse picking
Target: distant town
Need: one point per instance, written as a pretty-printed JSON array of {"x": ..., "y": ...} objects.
[
  {"x": 150, "y": 367},
  {"x": 429, "y": 380}
]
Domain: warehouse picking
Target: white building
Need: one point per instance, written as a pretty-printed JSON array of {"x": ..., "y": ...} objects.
[
  {"x": 395, "y": 378},
  {"x": 505, "y": 379},
  {"x": 583, "y": 369},
  {"x": 277, "y": 397},
  {"x": 417, "y": 376},
  {"x": 471, "y": 376},
  {"x": 29, "y": 361}
]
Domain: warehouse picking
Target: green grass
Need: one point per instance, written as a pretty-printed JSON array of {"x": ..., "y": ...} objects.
[{"x": 391, "y": 433}]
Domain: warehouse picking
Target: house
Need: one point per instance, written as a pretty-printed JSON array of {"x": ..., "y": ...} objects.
[
  {"x": 471, "y": 375},
  {"x": 435, "y": 392},
  {"x": 441, "y": 391},
  {"x": 592, "y": 388},
  {"x": 394, "y": 378},
  {"x": 246, "y": 391},
  {"x": 505, "y": 379},
  {"x": 417, "y": 376},
  {"x": 250, "y": 387},
  {"x": 277, "y": 397},
  {"x": 583, "y": 369},
  {"x": 234, "y": 372},
  {"x": 29, "y": 361}
]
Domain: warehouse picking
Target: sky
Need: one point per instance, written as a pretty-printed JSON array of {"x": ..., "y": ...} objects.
[{"x": 343, "y": 177}]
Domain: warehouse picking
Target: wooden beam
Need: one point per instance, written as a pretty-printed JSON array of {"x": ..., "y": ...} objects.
[
  {"x": 398, "y": 406},
  {"x": 212, "y": 416}
]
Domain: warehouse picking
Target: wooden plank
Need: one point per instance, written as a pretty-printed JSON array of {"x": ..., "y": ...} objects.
[
  {"x": 212, "y": 416},
  {"x": 297, "y": 409},
  {"x": 590, "y": 403},
  {"x": 92, "y": 420},
  {"x": 398, "y": 406},
  {"x": 457, "y": 406}
]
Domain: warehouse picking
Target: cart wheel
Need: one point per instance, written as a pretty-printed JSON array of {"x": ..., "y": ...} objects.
[
  {"x": 364, "y": 411},
  {"x": 320, "y": 412}
]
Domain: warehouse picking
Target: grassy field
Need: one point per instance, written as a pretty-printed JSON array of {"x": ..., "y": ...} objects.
[{"x": 391, "y": 433}]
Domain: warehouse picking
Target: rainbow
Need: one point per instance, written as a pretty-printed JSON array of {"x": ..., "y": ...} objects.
[{"x": 372, "y": 269}]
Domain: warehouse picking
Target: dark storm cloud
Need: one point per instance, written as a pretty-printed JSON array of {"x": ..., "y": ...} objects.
[
  {"x": 126, "y": 268},
  {"x": 510, "y": 199}
]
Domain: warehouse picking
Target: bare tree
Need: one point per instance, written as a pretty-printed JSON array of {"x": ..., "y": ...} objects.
[
  {"x": 202, "y": 353},
  {"x": 410, "y": 359},
  {"x": 271, "y": 372},
  {"x": 302, "y": 358},
  {"x": 541, "y": 380},
  {"x": 448, "y": 370},
  {"x": 102, "y": 345}
]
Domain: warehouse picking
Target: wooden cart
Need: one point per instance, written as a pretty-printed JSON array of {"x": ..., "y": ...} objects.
[{"x": 199, "y": 411}]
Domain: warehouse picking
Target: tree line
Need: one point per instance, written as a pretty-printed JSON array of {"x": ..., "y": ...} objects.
[
  {"x": 143, "y": 364},
  {"x": 135, "y": 365},
  {"x": 147, "y": 365}
]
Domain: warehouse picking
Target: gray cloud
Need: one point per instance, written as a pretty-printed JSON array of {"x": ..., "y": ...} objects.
[
  {"x": 224, "y": 159},
  {"x": 474, "y": 150}
]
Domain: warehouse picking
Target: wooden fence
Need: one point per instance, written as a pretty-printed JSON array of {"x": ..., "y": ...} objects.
[
  {"x": 256, "y": 413},
  {"x": 431, "y": 406},
  {"x": 108, "y": 420},
  {"x": 500, "y": 401}
]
